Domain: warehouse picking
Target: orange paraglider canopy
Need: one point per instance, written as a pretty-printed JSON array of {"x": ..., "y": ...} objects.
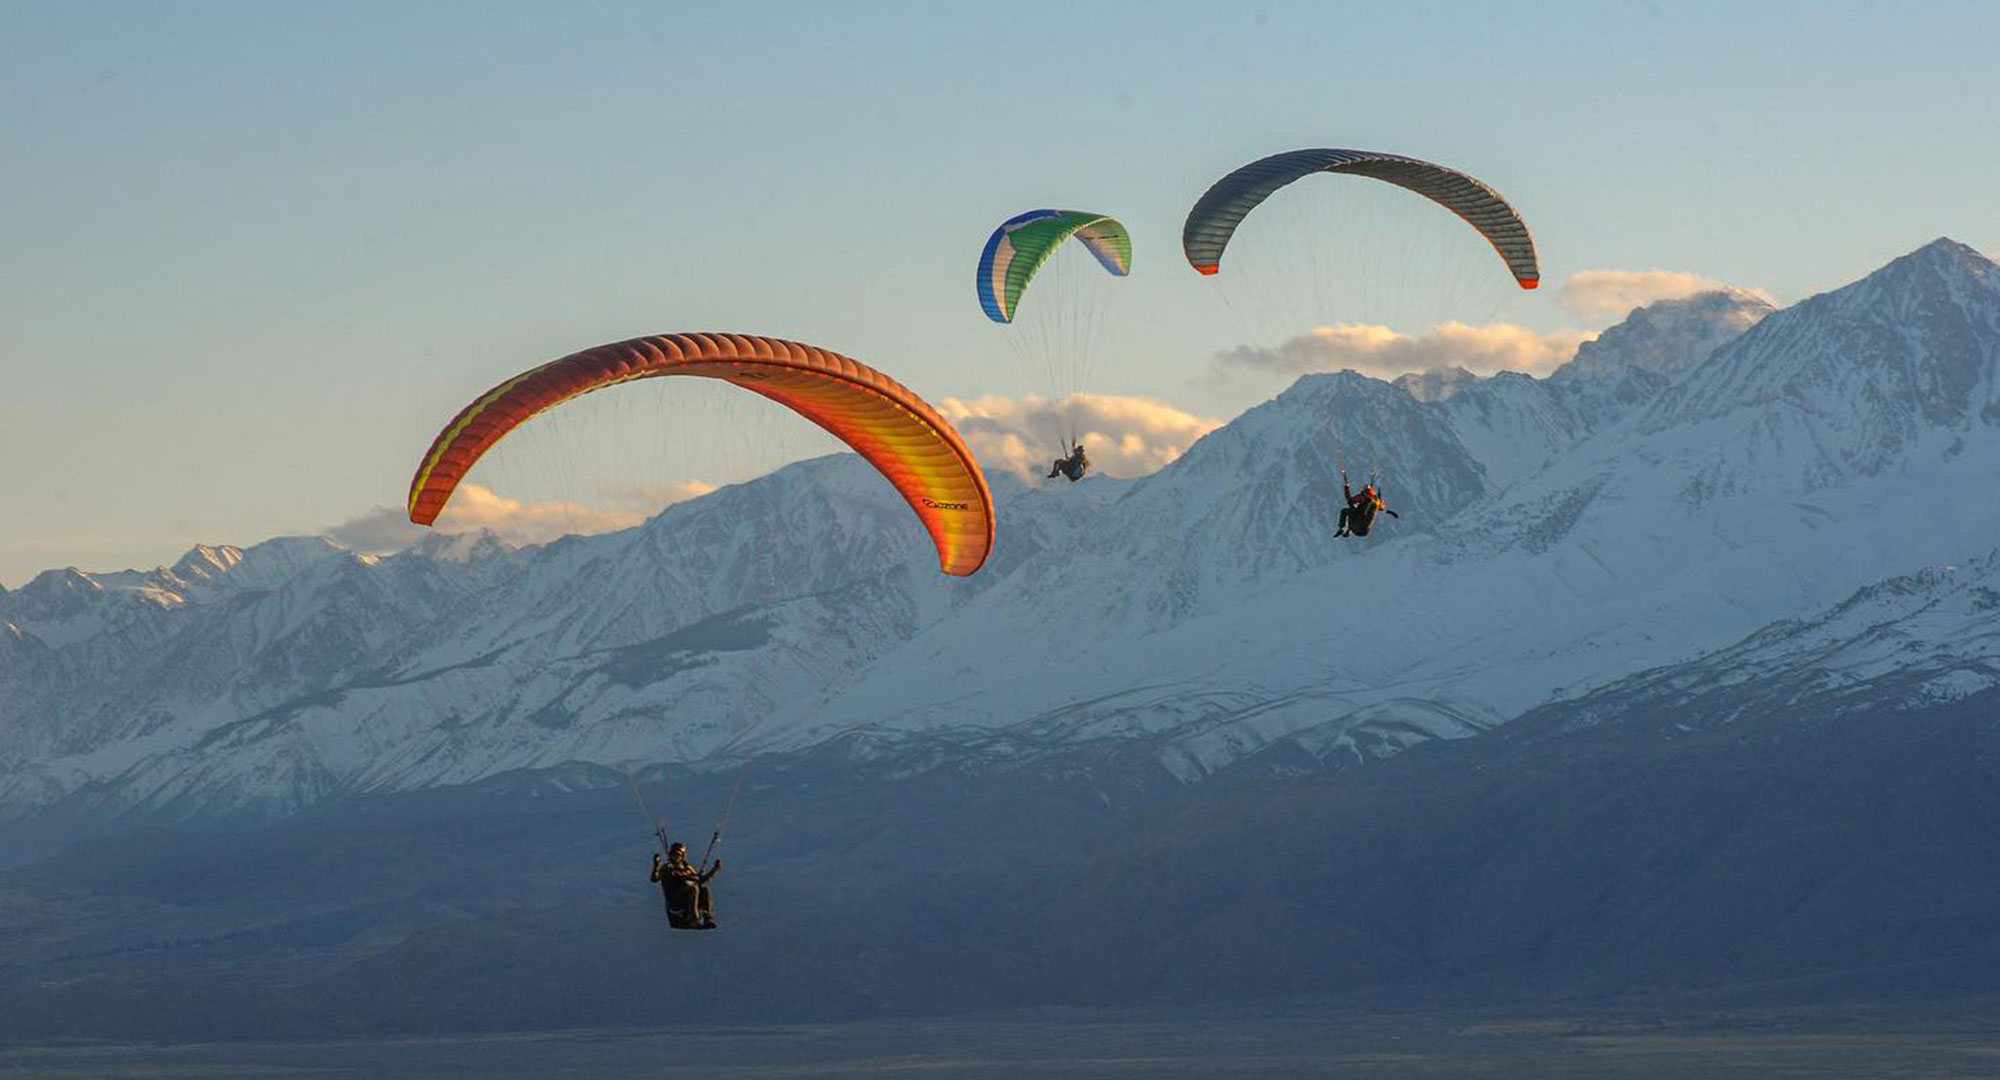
[{"x": 892, "y": 428}]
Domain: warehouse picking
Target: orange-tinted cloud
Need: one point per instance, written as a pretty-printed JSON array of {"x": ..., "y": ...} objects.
[
  {"x": 1125, "y": 436},
  {"x": 517, "y": 521},
  {"x": 1606, "y": 295},
  {"x": 1387, "y": 354}
]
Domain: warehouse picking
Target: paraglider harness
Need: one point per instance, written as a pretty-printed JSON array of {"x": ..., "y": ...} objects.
[
  {"x": 1072, "y": 464},
  {"x": 682, "y": 916},
  {"x": 689, "y": 904},
  {"x": 1358, "y": 516}
]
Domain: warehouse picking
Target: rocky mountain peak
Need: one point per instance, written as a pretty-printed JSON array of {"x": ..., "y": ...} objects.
[{"x": 1667, "y": 338}]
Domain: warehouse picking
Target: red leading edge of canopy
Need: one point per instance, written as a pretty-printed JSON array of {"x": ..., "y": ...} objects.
[
  {"x": 1209, "y": 269},
  {"x": 1534, "y": 284}
]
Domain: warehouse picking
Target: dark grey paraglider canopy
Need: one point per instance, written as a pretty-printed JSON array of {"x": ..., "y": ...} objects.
[{"x": 1223, "y": 207}]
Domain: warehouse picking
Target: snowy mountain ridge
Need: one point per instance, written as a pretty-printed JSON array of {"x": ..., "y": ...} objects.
[{"x": 1702, "y": 472}]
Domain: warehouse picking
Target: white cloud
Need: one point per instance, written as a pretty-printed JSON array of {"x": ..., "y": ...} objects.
[
  {"x": 659, "y": 495},
  {"x": 1125, "y": 436},
  {"x": 1386, "y": 353},
  {"x": 1593, "y": 296},
  {"x": 1607, "y": 295},
  {"x": 516, "y": 521}
]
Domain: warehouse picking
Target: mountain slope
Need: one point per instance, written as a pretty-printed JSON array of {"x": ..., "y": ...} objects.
[
  {"x": 1653, "y": 502},
  {"x": 1665, "y": 533}
]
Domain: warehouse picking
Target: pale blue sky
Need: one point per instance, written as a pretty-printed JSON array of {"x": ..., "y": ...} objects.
[{"x": 252, "y": 255}]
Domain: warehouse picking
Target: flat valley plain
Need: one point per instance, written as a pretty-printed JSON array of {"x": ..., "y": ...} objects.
[{"x": 1912, "y": 1042}]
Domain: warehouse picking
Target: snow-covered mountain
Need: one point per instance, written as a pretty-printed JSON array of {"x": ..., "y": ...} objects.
[
  {"x": 1910, "y": 642},
  {"x": 1661, "y": 534},
  {"x": 1701, "y": 472}
]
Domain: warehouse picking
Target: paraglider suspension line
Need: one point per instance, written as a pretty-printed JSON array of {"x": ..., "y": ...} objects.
[
  {"x": 721, "y": 823},
  {"x": 659, "y": 827}
]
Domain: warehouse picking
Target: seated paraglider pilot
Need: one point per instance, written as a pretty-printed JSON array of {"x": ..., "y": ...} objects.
[
  {"x": 1358, "y": 516},
  {"x": 1072, "y": 466},
  {"x": 690, "y": 906}
]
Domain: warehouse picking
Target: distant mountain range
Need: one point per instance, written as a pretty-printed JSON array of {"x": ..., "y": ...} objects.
[
  {"x": 1700, "y": 472},
  {"x": 1679, "y": 678}
]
